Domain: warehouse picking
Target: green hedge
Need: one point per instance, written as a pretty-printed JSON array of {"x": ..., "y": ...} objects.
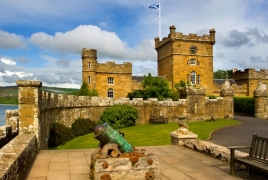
[
  {"x": 244, "y": 105},
  {"x": 59, "y": 135},
  {"x": 83, "y": 126},
  {"x": 120, "y": 116}
]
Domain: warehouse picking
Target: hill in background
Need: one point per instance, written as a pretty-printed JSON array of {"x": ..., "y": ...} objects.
[{"x": 9, "y": 94}]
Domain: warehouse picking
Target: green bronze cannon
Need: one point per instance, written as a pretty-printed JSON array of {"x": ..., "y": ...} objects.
[{"x": 106, "y": 135}]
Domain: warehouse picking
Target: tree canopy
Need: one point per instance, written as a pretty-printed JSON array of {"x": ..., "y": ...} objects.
[
  {"x": 221, "y": 74},
  {"x": 154, "y": 87},
  {"x": 86, "y": 91}
]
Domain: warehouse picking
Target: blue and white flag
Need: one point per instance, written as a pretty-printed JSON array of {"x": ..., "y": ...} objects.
[{"x": 155, "y": 6}]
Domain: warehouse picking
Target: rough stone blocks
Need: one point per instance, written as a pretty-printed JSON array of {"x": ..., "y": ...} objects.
[{"x": 146, "y": 167}]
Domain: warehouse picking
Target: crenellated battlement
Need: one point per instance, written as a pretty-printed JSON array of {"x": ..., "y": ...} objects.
[
  {"x": 173, "y": 35},
  {"x": 112, "y": 67},
  {"x": 51, "y": 100},
  {"x": 89, "y": 53}
]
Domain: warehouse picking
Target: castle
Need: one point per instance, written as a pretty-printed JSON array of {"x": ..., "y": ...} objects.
[{"x": 179, "y": 57}]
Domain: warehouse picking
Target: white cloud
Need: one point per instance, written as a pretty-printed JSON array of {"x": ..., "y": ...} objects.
[
  {"x": 108, "y": 44},
  {"x": 8, "y": 61}
]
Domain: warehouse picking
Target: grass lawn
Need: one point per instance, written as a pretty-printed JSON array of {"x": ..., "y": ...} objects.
[{"x": 151, "y": 135}]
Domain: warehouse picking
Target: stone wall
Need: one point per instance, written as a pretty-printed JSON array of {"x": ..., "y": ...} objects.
[
  {"x": 6, "y": 134},
  {"x": 10, "y": 129},
  {"x": 38, "y": 110},
  {"x": 17, "y": 157},
  {"x": 250, "y": 77},
  {"x": 239, "y": 90}
]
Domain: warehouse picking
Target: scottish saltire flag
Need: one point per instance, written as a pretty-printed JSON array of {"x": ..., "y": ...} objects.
[{"x": 154, "y": 6}]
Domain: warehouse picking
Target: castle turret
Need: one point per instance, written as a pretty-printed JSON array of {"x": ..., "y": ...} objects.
[
  {"x": 212, "y": 36},
  {"x": 89, "y": 63}
]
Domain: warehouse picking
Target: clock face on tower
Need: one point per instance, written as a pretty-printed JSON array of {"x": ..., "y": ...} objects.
[{"x": 193, "y": 49}]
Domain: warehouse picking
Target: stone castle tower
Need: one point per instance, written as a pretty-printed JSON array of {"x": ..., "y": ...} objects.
[
  {"x": 109, "y": 79},
  {"x": 186, "y": 57}
]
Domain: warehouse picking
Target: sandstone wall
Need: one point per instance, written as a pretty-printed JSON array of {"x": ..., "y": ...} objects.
[
  {"x": 38, "y": 110},
  {"x": 239, "y": 90},
  {"x": 17, "y": 157}
]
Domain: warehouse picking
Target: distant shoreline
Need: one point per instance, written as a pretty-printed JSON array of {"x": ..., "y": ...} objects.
[{"x": 8, "y": 104}]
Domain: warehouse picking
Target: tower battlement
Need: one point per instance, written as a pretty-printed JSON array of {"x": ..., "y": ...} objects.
[
  {"x": 90, "y": 53},
  {"x": 112, "y": 67},
  {"x": 173, "y": 35}
]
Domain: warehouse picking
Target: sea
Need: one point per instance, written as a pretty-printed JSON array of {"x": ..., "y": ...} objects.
[{"x": 3, "y": 108}]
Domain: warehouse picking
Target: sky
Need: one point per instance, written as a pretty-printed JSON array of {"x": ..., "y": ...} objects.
[{"x": 42, "y": 40}]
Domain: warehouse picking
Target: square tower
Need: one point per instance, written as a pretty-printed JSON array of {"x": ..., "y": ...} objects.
[
  {"x": 186, "y": 57},
  {"x": 109, "y": 79}
]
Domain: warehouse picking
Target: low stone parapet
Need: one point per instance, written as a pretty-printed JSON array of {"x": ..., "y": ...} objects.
[
  {"x": 216, "y": 151},
  {"x": 17, "y": 157}
]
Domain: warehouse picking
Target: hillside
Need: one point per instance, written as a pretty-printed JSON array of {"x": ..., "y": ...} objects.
[{"x": 13, "y": 90}]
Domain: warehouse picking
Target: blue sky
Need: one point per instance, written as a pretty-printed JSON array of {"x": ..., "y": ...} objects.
[{"x": 43, "y": 39}]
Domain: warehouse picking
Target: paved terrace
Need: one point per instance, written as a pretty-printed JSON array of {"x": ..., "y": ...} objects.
[{"x": 176, "y": 163}]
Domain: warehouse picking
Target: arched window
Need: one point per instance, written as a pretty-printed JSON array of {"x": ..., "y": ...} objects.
[
  {"x": 193, "y": 77},
  {"x": 110, "y": 92},
  {"x": 198, "y": 79},
  {"x": 89, "y": 80}
]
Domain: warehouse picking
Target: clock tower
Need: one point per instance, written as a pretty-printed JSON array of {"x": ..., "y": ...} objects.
[{"x": 186, "y": 57}]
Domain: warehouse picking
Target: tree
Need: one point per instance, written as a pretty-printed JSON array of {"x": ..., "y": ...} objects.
[
  {"x": 85, "y": 90},
  {"x": 153, "y": 87},
  {"x": 221, "y": 74}
]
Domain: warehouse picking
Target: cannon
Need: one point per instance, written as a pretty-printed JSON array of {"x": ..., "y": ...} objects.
[{"x": 107, "y": 136}]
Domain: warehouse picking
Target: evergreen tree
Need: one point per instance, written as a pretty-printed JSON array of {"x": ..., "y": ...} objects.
[{"x": 85, "y": 90}]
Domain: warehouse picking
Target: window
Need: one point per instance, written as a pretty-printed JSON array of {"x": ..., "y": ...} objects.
[
  {"x": 264, "y": 85},
  {"x": 89, "y": 65},
  {"x": 110, "y": 80},
  {"x": 192, "y": 61},
  {"x": 198, "y": 79},
  {"x": 193, "y": 76},
  {"x": 89, "y": 80},
  {"x": 110, "y": 93}
]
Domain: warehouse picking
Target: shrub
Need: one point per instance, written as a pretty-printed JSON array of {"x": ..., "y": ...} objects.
[
  {"x": 83, "y": 126},
  {"x": 244, "y": 105},
  {"x": 59, "y": 134},
  {"x": 86, "y": 91},
  {"x": 120, "y": 116}
]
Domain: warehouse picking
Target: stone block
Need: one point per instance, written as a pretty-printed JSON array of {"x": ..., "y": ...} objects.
[
  {"x": 179, "y": 136},
  {"x": 119, "y": 168}
]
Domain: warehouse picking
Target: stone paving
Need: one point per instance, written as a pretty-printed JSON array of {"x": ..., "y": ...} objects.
[{"x": 176, "y": 163}]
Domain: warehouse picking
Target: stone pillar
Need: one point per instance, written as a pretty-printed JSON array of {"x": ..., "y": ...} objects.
[
  {"x": 260, "y": 105},
  {"x": 195, "y": 102},
  {"x": 227, "y": 93},
  {"x": 29, "y": 97}
]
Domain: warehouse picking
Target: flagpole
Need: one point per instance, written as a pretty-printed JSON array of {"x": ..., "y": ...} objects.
[{"x": 159, "y": 23}]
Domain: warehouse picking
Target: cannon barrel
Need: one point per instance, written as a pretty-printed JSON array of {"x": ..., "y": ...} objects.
[{"x": 105, "y": 134}]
